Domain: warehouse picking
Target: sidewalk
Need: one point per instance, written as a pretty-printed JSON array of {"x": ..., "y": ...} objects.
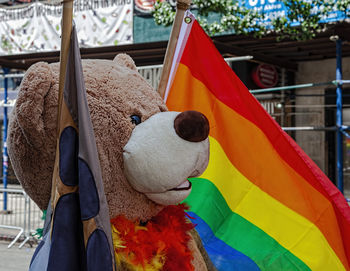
[{"x": 15, "y": 259}]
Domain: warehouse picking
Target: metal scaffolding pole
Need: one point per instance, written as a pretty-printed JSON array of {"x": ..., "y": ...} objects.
[
  {"x": 4, "y": 150},
  {"x": 257, "y": 91},
  {"x": 339, "y": 121},
  {"x": 309, "y": 85}
]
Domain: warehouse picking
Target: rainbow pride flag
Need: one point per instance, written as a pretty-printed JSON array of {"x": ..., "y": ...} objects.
[{"x": 262, "y": 203}]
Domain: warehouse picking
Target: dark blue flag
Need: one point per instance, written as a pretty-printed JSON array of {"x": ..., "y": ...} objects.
[{"x": 77, "y": 231}]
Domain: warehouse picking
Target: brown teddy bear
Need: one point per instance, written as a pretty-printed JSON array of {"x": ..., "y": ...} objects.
[{"x": 146, "y": 155}]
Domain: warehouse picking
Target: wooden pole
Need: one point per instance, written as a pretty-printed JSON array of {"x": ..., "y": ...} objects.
[
  {"x": 181, "y": 7},
  {"x": 67, "y": 22}
]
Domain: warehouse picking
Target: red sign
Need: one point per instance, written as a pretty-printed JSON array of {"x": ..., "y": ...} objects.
[{"x": 265, "y": 76}]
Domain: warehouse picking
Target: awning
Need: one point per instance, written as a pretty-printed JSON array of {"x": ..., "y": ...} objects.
[{"x": 285, "y": 54}]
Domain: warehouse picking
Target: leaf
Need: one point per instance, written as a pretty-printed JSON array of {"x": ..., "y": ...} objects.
[{"x": 304, "y": 15}]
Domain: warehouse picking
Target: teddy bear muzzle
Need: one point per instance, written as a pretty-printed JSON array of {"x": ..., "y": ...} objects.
[{"x": 164, "y": 151}]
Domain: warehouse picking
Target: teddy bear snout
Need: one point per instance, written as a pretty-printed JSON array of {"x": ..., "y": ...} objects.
[
  {"x": 192, "y": 126},
  {"x": 158, "y": 161}
]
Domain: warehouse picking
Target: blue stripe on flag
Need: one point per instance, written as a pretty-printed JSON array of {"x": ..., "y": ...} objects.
[{"x": 222, "y": 255}]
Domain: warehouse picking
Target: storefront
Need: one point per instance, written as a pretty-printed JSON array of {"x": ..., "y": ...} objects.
[{"x": 130, "y": 26}]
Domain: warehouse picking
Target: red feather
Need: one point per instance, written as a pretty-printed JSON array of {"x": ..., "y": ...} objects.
[{"x": 165, "y": 234}]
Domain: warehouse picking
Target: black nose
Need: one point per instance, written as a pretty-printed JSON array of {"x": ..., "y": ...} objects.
[{"x": 192, "y": 126}]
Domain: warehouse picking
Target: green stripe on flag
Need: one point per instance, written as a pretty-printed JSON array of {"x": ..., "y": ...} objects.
[{"x": 207, "y": 202}]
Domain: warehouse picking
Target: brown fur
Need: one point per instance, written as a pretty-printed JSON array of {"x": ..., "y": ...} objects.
[
  {"x": 32, "y": 133},
  {"x": 115, "y": 91}
]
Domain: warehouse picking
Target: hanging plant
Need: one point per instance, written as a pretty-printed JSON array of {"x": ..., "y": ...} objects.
[{"x": 302, "y": 19}]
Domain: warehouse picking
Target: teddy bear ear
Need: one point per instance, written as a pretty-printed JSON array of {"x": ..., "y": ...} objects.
[
  {"x": 126, "y": 61},
  {"x": 30, "y": 142},
  {"x": 30, "y": 102}
]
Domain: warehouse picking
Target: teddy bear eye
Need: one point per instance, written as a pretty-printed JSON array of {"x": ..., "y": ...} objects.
[{"x": 135, "y": 119}]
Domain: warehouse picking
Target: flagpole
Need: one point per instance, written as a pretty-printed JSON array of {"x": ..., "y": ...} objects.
[
  {"x": 181, "y": 7},
  {"x": 66, "y": 27},
  {"x": 67, "y": 20}
]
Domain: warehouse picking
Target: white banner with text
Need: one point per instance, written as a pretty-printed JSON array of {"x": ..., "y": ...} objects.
[{"x": 37, "y": 27}]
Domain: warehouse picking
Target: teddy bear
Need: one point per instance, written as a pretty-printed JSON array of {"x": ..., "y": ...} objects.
[{"x": 146, "y": 156}]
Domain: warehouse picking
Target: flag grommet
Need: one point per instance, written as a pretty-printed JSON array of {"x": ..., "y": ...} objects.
[{"x": 188, "y": 20}]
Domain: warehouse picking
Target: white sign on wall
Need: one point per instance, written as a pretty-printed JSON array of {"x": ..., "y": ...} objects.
[{"x": 37, "y": 27}]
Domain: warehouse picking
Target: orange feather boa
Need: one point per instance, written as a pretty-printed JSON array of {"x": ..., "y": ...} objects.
[{"x": 160, "y": 245}]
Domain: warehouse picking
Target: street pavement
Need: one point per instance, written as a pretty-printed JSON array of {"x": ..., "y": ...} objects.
[{"x": 15, "y": 259}]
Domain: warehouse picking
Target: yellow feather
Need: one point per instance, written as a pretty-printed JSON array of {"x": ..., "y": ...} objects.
[{"x": 156, "y": 263}]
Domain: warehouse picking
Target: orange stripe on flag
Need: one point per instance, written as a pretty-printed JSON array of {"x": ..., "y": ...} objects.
[
  {"x": 251, "y": 152},
  {"x": 213, "y": 72}
]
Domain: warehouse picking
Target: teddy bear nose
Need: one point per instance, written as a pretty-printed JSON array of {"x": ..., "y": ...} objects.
[{"x": 192, "y": 126}]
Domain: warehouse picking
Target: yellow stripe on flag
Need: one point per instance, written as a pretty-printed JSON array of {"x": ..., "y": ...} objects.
[
  {"x": 291, "y": 230},
  {"x": 251, "y": 152}
]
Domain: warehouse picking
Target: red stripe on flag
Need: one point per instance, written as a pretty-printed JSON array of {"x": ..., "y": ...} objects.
[
  {"x": 250, "y": 152},
  {"x": 212, "y": 71}
]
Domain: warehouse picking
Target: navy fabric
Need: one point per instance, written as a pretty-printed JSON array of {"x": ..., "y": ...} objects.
[
  {"x": 67, "y": 241},
  {"x": 69, "y": 156},
  {"x": 222, "y": 255},
  {"x": 98, "y": 254},
  {"x": 89, "y": 201}
]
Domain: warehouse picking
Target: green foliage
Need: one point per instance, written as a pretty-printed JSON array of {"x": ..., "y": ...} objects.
[
  {"x": 304, "y": 14},
  {"x": 164, "y": 14},
  {"x": 39, "y": 231},
  {"x": 343, "y": 6},
  {"x": 302, "y": 21},
  {"x": 233, "y": 17}
]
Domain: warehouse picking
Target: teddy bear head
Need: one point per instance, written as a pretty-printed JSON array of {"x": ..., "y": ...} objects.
[{"x": 146, "y": 153}]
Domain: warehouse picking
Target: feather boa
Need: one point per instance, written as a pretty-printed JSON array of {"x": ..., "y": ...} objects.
[{"x": 162, "y": 244}]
